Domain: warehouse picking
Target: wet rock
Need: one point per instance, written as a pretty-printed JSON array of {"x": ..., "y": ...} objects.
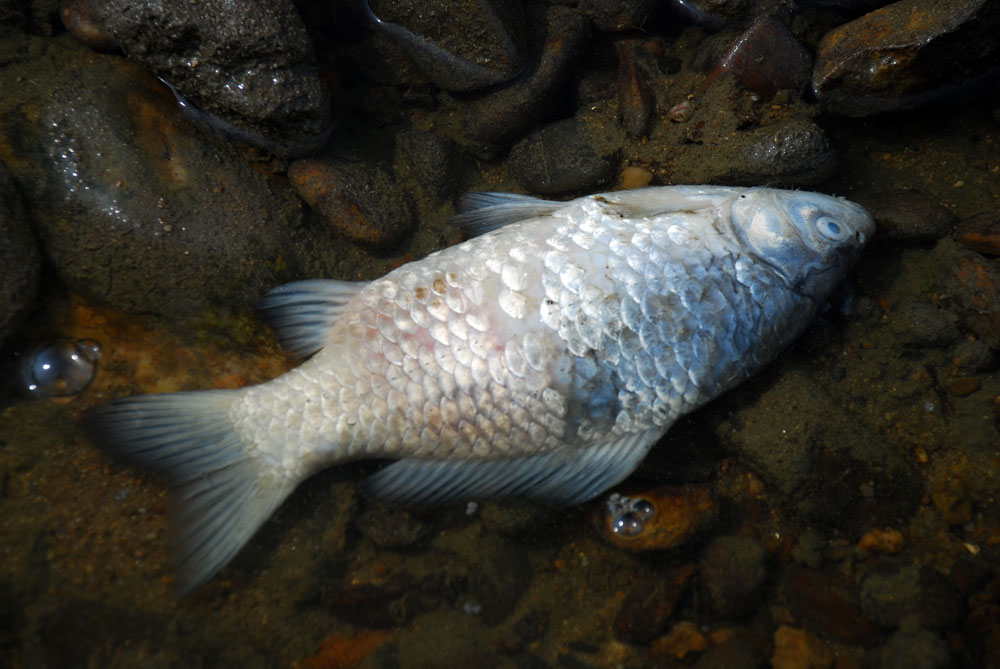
[
  {"x": 636, "y": 102},
  {"x": 980, "y": 233},
  {"x": 788, "y": 154},
  {"x": 657, "y": 519},
  {"x": 559, "y": 158},
  {"x": 634, "y": 176},
  {"x": 492, "y": 121},
  {"x": 499, "y": 581},
  {"x": 360, "y": 200},
  {"x": 822, "y": 457},
  {"x": 430, "y": 161},
  {"x": 131, "y": 207},
  {"x": 794, "y": 648},
  {"x": 85, "y": 20},
  {"x": 647, "y": 608},
  {"x": 922, "y": 324},
  {"x": 828, "y": 601},
  {"x": 733, "y": 570},
  {"x": 19, "y": 258},
  {"x": 907, "y": 215},
  {"x": 391, "y": 528},
  {"x": 973, "y": 284},
  {"x": 912, "y": 647},
  {"x": 905, "y": 54},
  {"x": 618, "y": 15},
  {"x": 895, "y": 589},
  {"x": 733, "y": 653},
  {"x": 460, "y": 46},
  {"x": 250, "y": 64},
  {"x": 960, "y": 386},
  {"x": 766, "y": 58}
]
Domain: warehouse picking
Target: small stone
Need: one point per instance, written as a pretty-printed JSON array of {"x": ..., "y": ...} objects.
[
  {"x": 766, "y": 58},
  {"x": 635, "y": 101},
  {"x": 788, "y": 154},
  {"x": 559, "y": 158},
  {"x": 973, "y": 357},
  {"x": 795, "y": 648},
  {"x": 634, "y": 176},
  {"x": 960, "y": 386},
  {"x": 828, "y": 600},
  {"x": 921, "y": 324},
  {"x": 85, "y": 20},
  {"x": 911, "y": 647},
  {"x": 980, "y": 233},
  {"x": 895, "y": 589},
  {"x": 886, "y": 542},
  {"x": 733, "y": 570},
  {"x": 908, "y": 215},
  {"x": 973, "y": 283},
  {"x": 683, "y": 640},
  {"x": 360, "y": 200},
  {"x": 391, "y": 528}
]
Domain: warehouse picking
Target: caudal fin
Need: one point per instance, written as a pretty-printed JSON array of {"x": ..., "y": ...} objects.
[{"x": 222, "y": 491}]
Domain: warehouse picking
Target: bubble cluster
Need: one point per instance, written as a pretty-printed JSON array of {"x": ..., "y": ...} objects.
[
  {"x": 628, "y": 515},
  {"x": 59, "y": 368}
]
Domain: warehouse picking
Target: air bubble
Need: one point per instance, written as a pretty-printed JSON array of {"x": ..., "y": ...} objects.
[{"x": 59, "y": 368}]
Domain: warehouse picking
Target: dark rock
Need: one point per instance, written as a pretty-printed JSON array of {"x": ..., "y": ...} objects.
[
  {"x": 618, "y": 15},
  {"x": 19, "y": 258},
  {"x": 895, "y": 589},
  {"x": 532, "y": 626},
  {"x": 493, "y": 121},
  {"x": 921, "y": 324},
  {"x": 788, "y": 154},
  {"x": 970, "y": 573},
  {"x": 821, "y": 459},
  {"x": 974, "y": 357},
  {"x": 391, "y": 528},
  {"x": 430, "y": 161},
  {"x": 905, "y": 54},
  {"x": 980, "y": 233},
  {"x": 86, "y": 21},
  {"x": 636, "y": 102},
  {"x": 733, "y": 570},
  {"x": 133, "y": 209},
  {"x": 559, "y": 158},
  {"x": 733, "y": 653},
  {"x": 973, "y": 284},
  {"x": 766, "y": 58},
  {"x": 499, "y": 580},
  {"x": 914, "y": 648},
  {"x": 393, "y": 601},
  {"x": 905, "y": 214},
  {"x": 460, "y": 46},
  {"x": 250, "y": 63},
  {"x": 648, "y": 606},
  {"x": 360, "y": 200},
  {"x": 711, "y": 14},
  {"x": 828, "y": 600}
]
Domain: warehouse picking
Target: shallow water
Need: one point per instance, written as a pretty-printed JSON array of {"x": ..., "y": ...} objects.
[{"x": 334, "y": 580}]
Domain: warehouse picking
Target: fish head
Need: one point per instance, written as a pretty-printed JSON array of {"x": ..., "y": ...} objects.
[{"x": 811, "y": 240}]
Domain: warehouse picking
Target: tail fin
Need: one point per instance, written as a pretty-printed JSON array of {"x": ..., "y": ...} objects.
[{"x": 222, "y": 490}]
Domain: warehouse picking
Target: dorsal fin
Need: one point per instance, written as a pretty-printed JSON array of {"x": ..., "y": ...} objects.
[
  {"x": 301, "y": 313},
  {"x": 481, "y": 212}
]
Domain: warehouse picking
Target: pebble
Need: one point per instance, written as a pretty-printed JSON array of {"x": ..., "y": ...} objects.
[
  {"x": 459, "y": 45},
  {"x": 886, "y": 541},
  {"x": 85, "y": 20},
  {"x": 788, "y": 154},
  {"x": 828, "y": 600},
  {"x": 646, "y": 609},
  {"x": 960, "y": 386},
  {"x": 973, "y": 284},
  {"x": 911, "y": 646},
  {"x": 908, "y": 215},
  {"x": 360, "y": 200},
  {"x": 733, "y": 570},
  {"x": 250, "y": 64},
  {"x": 493, "y": 121},
  {"x": 19, "y": 258},
  {"x": 796, "y": 648},
  {"x": 980, "y": 233},
  {"x": 133, "y": 208},
  {"x": 766, "y": 58},
  {"x": 658, "y": 519},
  {"x": 634, "y": 176},
  {"x": 921, "y": 324},
  {"x": 895, "y": 589},
  {"x": 906, "y": 54},
  {"x": 559, "y": 158},
  {"x": 683, "y": 641}
]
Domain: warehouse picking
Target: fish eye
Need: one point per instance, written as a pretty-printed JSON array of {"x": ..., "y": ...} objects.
[{"x": 830, "y": 228}]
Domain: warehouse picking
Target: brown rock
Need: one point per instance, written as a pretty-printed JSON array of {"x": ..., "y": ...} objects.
[
  {"x": 901, "y": 55},
  {"x": 980, "y": 233},
  {"x": 828, "y": 600},
  {"x": 648, "y": 606},
  {"x": 766, "y": 58},
  {"x": 886, "y": 542},
  {"x": 960, "y": 386},
  {"x": 635, "y": 100},
  {"x": 798, "y": 649},
  {"x": 909, "y": 215}
]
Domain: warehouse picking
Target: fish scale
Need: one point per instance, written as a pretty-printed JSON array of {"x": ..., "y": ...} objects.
[{"x": 541, "y": 358}]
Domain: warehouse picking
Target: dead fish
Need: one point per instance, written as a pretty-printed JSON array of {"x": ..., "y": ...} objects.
[{"x": 542, "y": 358}]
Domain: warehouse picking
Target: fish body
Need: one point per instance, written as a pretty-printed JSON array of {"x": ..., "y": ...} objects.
[{"x": 541, "y": 358}]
